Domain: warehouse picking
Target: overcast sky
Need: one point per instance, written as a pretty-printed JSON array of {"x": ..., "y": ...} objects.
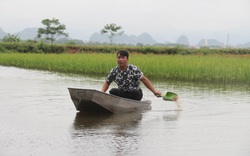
[{"x": 164, "y": 20}]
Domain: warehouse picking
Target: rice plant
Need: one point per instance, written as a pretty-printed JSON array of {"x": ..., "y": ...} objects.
[{"x": 202, "y": 68}]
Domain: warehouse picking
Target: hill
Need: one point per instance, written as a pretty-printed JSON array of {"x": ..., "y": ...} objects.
[
  {"x": 210, "y": 43},
  {"x": 28, "y": 33},
  {"x": 2, "y": 33},
  {"x": 183, "y": 40},
  {"x": 144, "y": 38}
]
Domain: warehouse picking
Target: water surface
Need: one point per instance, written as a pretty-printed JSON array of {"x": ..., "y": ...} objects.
[{"x": 37, "y": 117}]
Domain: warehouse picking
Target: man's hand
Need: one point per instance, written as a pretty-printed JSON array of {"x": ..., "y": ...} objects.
[{"x": 157, "y": 93}]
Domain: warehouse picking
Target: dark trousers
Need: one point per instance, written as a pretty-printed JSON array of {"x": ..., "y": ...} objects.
[{"x": 134, "y": 94}]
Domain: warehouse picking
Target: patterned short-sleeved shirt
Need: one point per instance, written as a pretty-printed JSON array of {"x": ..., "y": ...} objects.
[{"x": 126, "y": 79}]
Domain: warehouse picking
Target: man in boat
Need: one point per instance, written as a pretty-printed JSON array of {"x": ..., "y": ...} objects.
[{"x": 127, "y": 77}]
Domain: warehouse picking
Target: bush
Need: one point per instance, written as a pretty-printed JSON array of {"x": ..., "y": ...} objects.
[
  {"x": 41, "y": 47},
  {"x": 2, "y": 49}
]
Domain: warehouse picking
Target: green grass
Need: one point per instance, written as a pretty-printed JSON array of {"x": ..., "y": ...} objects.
[
  {"x": 96, "y": 64},
  {"x": 212, "y": 68},
  {"x": 197, "y": 68}
]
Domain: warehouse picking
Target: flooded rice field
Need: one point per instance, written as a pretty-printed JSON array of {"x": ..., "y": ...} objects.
[{"x": 37, "y": 117}]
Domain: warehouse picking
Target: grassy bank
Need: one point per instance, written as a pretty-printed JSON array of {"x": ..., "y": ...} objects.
[{"x": 210, "y": 68}]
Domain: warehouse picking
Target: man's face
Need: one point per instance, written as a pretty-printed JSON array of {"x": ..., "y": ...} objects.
[{"x": 122, "y": 61}]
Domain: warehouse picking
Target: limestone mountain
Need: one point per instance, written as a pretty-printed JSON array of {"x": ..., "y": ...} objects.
[
  {"x": 2, "y": 33},
  {"x": 144, "y": 38},
  {"x": 210, "y": 43},
  {"x": 183, "y": 40},
  {"x": 28, "y": 33}
]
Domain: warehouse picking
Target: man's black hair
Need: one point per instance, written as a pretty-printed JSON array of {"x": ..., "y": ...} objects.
[{"x": 123, "y": 53}]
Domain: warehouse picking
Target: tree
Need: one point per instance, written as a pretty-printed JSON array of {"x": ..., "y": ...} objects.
[
  {"x": 112, "y": 30},
  {"x": 11, "y": 38},
  {"x": 52, "y": 30}
]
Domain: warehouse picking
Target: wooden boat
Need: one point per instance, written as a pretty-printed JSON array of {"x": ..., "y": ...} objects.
[{"x": 96, "y": 101}]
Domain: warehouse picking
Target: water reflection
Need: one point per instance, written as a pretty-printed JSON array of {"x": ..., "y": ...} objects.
[
  {"x": 115, "y": 134},
  {"x": 92, "y": 119}
]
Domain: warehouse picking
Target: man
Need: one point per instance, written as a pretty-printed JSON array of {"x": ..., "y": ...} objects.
[{"x": 127, "y": 77}]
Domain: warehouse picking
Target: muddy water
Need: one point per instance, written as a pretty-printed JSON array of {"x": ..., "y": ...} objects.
[{"x": 37, "y": 117}]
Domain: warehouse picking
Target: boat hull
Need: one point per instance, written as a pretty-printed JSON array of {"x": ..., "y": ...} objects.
[{"x": 97, "y": 101}]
